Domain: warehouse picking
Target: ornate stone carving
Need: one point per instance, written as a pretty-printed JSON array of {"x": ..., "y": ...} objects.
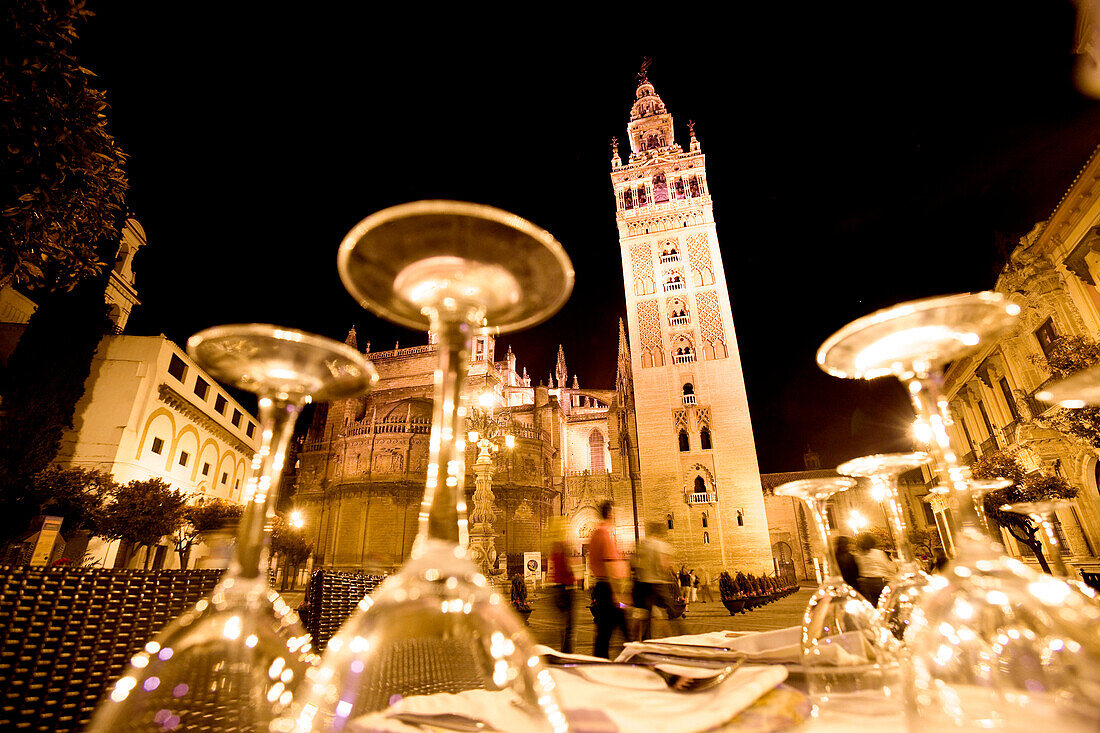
[
  {"x": 649, "y": 329},
  {"x": 641, "y": 265},
  {"x": 698, "y": 251},
  {"x": 710, "y": 325}
]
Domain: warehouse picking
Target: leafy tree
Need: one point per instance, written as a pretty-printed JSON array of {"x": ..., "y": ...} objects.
[
  {"x": 200, "y": 519},
  {"x": 1034, "y": 486},
  {"x": 1069, "y": 355},
  {"x": 290, "y": 544},
  {"x": 143, "y": 511},
  {"x": 63, "y": 185},
  {"x": 76, "y": 494}
]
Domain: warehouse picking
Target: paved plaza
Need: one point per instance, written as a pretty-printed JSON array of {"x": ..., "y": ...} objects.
[{"x": 699, "y": 617}]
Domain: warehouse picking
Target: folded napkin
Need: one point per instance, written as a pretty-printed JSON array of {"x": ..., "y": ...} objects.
[
  {"x": 782, "y": 646},
  {"x": 600, "y": 699}
]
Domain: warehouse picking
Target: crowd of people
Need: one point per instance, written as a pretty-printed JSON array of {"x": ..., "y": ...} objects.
[{"x": 865, "y": 566}]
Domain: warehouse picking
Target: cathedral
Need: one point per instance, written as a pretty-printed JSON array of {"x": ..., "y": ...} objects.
[{"x": 669, "y": 439}]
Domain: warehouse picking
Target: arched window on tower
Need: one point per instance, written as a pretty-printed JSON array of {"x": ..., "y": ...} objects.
[
  {"x": 689, "y": 394},
  {"x": 641, "y": 198},
  {"x": 678, "y": 188},
  {"x": 684, "y": 445},
  {"x": 668, "y": 518},
  {"x": 706, "y": 538},
  {"x": 704, "y": 519},
  {"x": 740, "y": 517},
  {"x": 660, "y": 189},
  {"x": 700, "y": 485},
  {"x": 628, "y": 198},
  {"x": 595, "y": 451},
  {"x": 704, "y": 438},
  {"x": 693, "y": 186}
]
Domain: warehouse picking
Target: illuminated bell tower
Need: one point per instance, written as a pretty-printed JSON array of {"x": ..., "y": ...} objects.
[{"x": 699, "y": 472}]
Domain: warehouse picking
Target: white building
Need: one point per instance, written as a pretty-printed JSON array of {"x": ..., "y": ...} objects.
[{"x": 149, "y": 411}]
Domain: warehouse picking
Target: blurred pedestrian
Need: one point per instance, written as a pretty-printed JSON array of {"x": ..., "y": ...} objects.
[
  {"x": 607, "y": 593},
  {"x": 939, "y": 559},
  {"x": 846, "y": 561},
  {"x": 875, "y": 567},
  {"x": 704, "y": 586},
  {"x": 655, "y": 585},
  {"x": 685, "y": 583},
  {"x": 562, "y": 579},
  {"x": 693, "y": 581}
]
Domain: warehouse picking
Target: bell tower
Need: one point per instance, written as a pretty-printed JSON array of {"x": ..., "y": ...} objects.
[{"x": 697, "y": 455}]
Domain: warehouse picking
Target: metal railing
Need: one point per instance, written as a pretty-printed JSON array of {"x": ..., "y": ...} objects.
[
  {"x": 689, "y": 399},
  {"x": 680, "y": 320},
  {"x": 683, "y": 358},
  {"x": 666, "y": 259},
  {"x": 669, "y": 287},
  {"x": 989, "y": 445},
  {"x": 702, "y": 497}
]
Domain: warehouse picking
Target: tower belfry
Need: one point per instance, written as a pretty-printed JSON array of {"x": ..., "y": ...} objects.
[{"x": 695, "y": 443}]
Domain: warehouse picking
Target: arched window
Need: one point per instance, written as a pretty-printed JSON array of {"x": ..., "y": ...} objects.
[
  {"x": 706, "y": 538},
  {"x": 704, "y": 438},
  {"x": 668, "y": 518},
  {"x": 689, "y": 394},
  {"x": 660, "y": 189},
  {"x": 595, "y": 451},
  {"x": 684, "y": 444},
  {"x": 740, "y": 517},
  {"x": 704, "y": 518},
  {"x": 700, "y": 485},
  {"x": 689, "y": 388}
]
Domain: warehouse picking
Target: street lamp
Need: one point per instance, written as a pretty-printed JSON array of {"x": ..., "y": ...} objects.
[
  {"x": 857, "y": 521},
  {"x": 488, "y": 430},
  {"x": 297, "y": 521}
]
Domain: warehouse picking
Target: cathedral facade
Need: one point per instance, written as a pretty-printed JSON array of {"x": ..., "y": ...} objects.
[{"x": 363, "y": 463}]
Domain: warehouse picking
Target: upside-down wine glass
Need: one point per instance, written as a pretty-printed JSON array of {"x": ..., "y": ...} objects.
[
  {"x": 233, "y": 662},
  {"x": 846, "y": 653},
  {"x": 1043, "y": 514},
  {"x": 991, "y": 644},
  {"x": 437, "y": 626},
  {"x": 904, "y": 587}
]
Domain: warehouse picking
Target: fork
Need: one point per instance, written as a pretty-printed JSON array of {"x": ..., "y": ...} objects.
[
  {"x": 447, "y": 721},
  {"x": 678, "y": 682}
]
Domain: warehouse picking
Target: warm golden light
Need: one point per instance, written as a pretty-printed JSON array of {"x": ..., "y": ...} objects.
[
  {"x": 297, "y": 521},
  {"x": 857, "y": 521},
  {"x": 473, "y": 436}
]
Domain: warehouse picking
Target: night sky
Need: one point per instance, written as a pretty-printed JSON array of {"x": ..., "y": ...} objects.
[{"x": 856, "y": 157}]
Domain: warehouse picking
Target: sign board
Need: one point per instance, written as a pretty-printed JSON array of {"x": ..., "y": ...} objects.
[
  {"x": 43, "y": 547},
  {"x": 532, "y": 567}
]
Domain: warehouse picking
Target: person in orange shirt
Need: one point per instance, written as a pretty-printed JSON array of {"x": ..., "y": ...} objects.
[{"x": 608, "y": 571}]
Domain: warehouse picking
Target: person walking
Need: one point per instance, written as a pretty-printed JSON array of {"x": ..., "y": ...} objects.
[
  {"x": 685, "y": 584},
  {"x": 846, "y": 561},
  {"x": 875, "y": 567},
  {"x": 693, "y": 581},
  {"x": 562, "y": 580},
  {"x": 654, "y": 586},
  {"x": 704, "y": 586},
  {"x": 608, "y": 573}
]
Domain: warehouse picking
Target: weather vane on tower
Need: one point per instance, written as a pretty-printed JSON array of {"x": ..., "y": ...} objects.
[{"x": 647, "y": 61}]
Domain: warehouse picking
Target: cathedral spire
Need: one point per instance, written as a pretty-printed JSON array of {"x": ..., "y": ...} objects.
[
  {"x": 576, "y": 382},
  {"x": 350, "y": 340},
  {"x": 560, "y": 371}
]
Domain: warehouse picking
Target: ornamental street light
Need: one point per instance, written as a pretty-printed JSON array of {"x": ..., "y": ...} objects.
[
  {"x": 489, "y": 431},
  {"x": 857, "y": 521}
]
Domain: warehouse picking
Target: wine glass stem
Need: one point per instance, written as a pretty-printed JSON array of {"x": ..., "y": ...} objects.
[
  {"x": 819, "y": 510},
  {"x": 897, "y": 519},
  {"x": 261, "y": 490},
  {"x": 1052, "y": 547},
  {"x": 443, "y": 510}
]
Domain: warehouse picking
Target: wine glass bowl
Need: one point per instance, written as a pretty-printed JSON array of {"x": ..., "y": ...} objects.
[
  {"x": 912, "y": 337},
  {"x": 1079, "y": 390},
  {"x": 454, "y": 256},
  {"x": 281, "y": 362},
  {"x": 437, "y": 626},
  {"x": 234, "y": 660}
]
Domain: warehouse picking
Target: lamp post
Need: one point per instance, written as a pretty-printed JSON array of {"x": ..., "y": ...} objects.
[{"x": 488, "y": 431}]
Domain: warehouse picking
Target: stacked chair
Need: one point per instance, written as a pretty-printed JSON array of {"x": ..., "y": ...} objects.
[{"x": 331, "y": 598}]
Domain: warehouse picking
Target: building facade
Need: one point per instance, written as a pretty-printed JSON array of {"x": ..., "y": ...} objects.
[
  {"x": 697, "y": 455},
  {"x": 149, "y": 411},
  {"x": 363, "y": 463},
  {"x": 1053, "y": 273}
]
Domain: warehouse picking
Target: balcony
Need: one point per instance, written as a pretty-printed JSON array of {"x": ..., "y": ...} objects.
[
  {"x": 670, "y": 258},
  {"x": 669, "y": 287},
  {"x": 683, "y": 358},
  {"x": 702, "y": 497},
  {"x": 689, "y": 399},
  {"x": 989, "y": 445},
  {"x": 680, "y": 320},
  {"x": 968, "y": 459}
]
